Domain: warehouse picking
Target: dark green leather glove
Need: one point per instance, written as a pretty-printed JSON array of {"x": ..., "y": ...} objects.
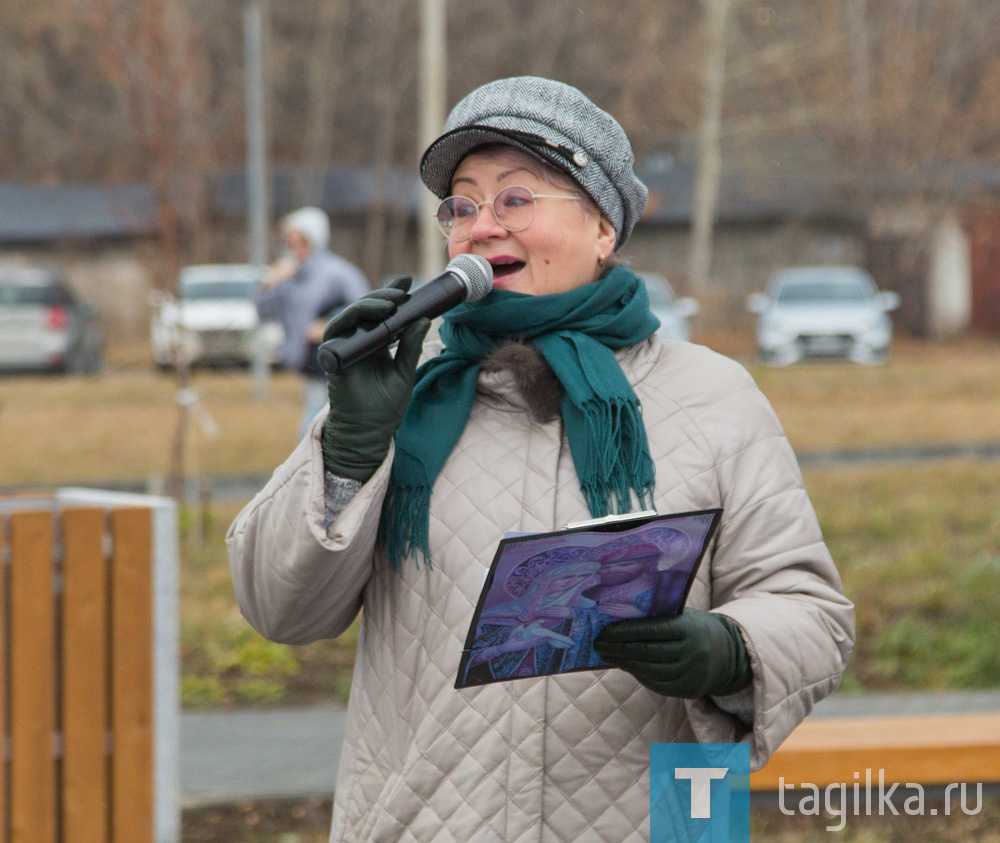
[
  {"x": 369, "y": 397},
  {"x": 687, "y": 655}
]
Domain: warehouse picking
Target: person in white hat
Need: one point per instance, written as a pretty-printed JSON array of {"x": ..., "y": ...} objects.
[
  {"x": 302, "y": 289},
  {"x": 549, "y": 401}
]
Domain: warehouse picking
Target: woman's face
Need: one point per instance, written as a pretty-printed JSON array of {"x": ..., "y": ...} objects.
[
  {"x": 559, "y": 251},
  {"x": 297, "y": 245},
  {"x": 565, "y": 584}
]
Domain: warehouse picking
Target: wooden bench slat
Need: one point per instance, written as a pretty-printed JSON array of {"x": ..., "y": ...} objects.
[
  {"x": 132, "y": 674},
  {"x": 4, "y": 638},
  {"x": 85, "y": 698},
  {"x": 32, "y": 678}
]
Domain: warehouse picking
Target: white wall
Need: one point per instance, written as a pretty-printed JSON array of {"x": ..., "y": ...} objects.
[{"x": 949, "y": 280}]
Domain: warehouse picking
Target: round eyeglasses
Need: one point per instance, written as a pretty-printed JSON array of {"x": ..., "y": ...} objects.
[{"x": 513, "y": 207}]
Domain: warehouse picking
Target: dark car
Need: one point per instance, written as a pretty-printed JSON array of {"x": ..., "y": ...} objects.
[{"x": 45, "y": 326}]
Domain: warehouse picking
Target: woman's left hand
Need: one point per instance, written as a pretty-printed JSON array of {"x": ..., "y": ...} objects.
[{"x": 687, "y": 655}]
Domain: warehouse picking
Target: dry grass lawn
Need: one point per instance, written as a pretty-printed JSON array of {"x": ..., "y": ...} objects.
[
  {"x": 120, "y": 426},
  {"x": 926, "y": 394}
]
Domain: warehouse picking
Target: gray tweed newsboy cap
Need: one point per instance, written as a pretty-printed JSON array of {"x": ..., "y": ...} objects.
[{"x": 553, "y": 121}]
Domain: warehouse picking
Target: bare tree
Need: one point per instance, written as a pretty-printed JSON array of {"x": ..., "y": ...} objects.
[
  {"x": 152, "y": 56},
  {"x": 149, "y": 90},
  {"x": 323, "y": 83},
  {"x": 706, "y": 192}
]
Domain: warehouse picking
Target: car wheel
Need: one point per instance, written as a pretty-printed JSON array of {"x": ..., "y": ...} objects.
[
  {"x": 74, "y": 364},
  {"x": 773, "y": 358},
  {"x": 86, "y": 361},
  {"x": 94, "y": 363}
]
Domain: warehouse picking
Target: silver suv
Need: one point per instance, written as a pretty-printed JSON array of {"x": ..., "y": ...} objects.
[{"x": 44, "y": 326}]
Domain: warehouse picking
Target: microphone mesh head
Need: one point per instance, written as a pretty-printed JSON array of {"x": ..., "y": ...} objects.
[{"x": 476, "y": 272}]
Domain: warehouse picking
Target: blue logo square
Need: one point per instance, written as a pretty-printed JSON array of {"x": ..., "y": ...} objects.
[{"x": 692, "y": 797}]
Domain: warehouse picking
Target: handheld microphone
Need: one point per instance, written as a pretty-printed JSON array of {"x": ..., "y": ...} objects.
[{"x": 466, "y": 278}]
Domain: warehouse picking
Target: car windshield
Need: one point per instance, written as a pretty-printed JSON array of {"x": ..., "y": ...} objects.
[
  {"x": 842, "y": 290},
  {"x": 200, "y": 290},
  {"x": 31, "y": 295}
]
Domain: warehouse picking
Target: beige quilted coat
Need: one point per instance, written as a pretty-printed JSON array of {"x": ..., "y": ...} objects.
[{"x": 546, "y": 759}]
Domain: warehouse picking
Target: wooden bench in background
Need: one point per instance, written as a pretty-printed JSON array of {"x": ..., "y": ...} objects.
[
  {"x": 88, "y": 669},
  {"x": 927, "y": 749}
]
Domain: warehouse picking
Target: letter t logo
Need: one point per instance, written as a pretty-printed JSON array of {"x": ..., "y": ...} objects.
[{"x": 701, "y": 788}]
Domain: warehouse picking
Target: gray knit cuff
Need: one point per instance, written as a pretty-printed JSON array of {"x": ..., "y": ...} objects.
[
  {"x": 740, "y": 704},
  {"x": 339, "y": 492}
]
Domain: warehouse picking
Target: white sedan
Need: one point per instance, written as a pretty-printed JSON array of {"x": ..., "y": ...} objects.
[
  {"x": 812, "y": 312},
  {"x": 674, "y": 313},
  {"x": 213, "y": 320}
]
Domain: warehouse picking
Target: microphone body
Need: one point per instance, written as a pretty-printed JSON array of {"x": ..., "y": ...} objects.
[{"x": 466, "y": 278}]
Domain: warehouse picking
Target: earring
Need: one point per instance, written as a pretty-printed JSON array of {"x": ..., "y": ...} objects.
[{"x": 601, "y": 258}]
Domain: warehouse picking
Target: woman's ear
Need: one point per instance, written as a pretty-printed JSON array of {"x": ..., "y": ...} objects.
[{"x": 606, "y": 236}]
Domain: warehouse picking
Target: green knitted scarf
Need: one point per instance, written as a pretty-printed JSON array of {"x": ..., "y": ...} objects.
[{"x": 577, "y": 332}]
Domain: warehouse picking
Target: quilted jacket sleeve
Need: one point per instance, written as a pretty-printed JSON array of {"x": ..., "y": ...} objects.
[
  {"x": 295, "y": 581},
  {"x": 771, "y": 572}
]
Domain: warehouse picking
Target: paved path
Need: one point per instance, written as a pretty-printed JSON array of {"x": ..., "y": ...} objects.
[
  {"x": 293, "y": 752},
  {"x": 259, "y": 754}
]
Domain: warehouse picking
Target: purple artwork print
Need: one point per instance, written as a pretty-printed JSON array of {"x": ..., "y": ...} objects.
[{"x": 551, "y": 595}]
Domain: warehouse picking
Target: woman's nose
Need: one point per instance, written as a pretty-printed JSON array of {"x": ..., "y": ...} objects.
[{"x": 486, "y": 224}]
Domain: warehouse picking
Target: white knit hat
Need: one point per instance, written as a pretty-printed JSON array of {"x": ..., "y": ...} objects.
[{"x": 312, "y": 223}]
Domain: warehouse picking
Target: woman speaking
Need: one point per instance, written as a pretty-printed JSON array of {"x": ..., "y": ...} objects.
[{"x": 548, "y": 401}]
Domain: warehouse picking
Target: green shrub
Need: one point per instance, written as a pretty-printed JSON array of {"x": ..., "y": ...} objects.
[
  {"x": 256, "y": 656},
  {"x": 260, "y": 691},
  {"x": 916, "y": 549},
  {"x": 202, "y": 691}
]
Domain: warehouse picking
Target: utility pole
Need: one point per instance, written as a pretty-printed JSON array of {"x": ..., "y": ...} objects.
[
  {"x": 433, "y": 38},
  {"x": 706, "y": 189},
  {"x": 258, "y": 196}
]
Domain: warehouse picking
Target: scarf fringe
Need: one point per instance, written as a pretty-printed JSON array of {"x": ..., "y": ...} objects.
[
  {"x": 403, "y": 528},
  {"x": 617, "y": 461}
]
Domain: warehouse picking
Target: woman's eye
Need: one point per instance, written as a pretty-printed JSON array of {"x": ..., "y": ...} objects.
[{"x": 516, "y": 200}]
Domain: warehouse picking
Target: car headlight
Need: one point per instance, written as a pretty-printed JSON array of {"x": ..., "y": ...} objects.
[
  {"x": 775, "y": 331},
  {"x": 876, "y": 332},
  {"x": 187, "y": 336}
]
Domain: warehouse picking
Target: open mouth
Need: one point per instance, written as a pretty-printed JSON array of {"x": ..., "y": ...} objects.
[{"x": 502, "y": 269}]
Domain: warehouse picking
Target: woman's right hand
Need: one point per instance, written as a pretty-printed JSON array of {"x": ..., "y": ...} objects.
[
  {"x": 279, "y": 271},
  {"x": 368, "y": 398}
]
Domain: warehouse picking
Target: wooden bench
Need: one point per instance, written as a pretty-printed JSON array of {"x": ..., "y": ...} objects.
[
  {"x": 931, "y": 749},
  {"x": 78, "y": 714}
]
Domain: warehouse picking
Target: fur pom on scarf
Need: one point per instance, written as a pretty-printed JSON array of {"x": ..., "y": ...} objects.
[{"x": 533, "y": 376}]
